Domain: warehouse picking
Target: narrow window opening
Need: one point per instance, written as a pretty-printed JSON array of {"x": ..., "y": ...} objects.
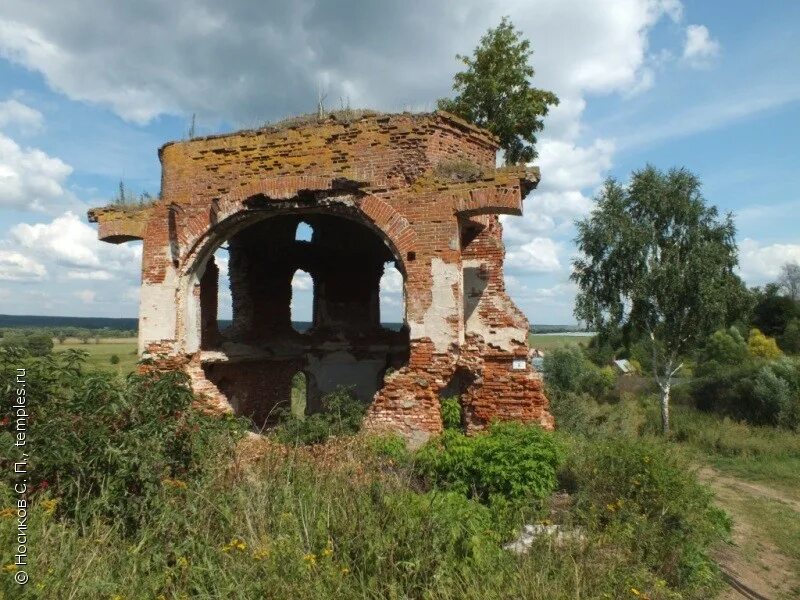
[
  {"x": 392, "y": 302},
  {"x": 304, "y": 232},
  {"x": 299, "y": 394},
  {"x": 302, "y": 301}
]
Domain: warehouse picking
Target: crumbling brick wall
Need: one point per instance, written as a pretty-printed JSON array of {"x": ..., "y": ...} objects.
[{"x": 419, "y": 191}]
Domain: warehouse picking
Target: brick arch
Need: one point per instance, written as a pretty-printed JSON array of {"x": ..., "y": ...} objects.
[{"x": 376, "y": 211}]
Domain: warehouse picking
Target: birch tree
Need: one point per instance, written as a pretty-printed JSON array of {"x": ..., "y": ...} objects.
[{"x": 655, "y": 259}]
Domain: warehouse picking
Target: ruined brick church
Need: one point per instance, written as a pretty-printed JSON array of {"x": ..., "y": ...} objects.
[{"x": 420, "y": 191}]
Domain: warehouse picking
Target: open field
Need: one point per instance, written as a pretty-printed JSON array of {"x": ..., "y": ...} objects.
[
  {"x": 100, "y": 354},
  {"x": 542, "y": 341}
]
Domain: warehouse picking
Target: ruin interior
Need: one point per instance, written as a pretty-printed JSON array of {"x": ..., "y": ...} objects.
[{"x": 419, "y": 192}]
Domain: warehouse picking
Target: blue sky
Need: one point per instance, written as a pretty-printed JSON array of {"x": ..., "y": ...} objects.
[{"x": 89, "y": 90}]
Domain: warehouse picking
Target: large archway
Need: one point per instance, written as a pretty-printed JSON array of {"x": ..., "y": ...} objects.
[{"x": 342, "y": 259}]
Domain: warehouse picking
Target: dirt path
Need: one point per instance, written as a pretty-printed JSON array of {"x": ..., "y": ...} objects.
[{"x": 753, "y": 566}]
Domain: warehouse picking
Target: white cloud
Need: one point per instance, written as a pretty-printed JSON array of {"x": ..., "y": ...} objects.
[
  {"x": 29, "y": 178},
  {"x": 540, "y": 255},
  {"x": 73, "y": 246},
  {"x": 15, "y": 113},
  {"x": 147, "y": 60},
  {"x": 391, "y": 281},
  {"x": 15, "y": 266},
  {"x": 761, "y": 264},
  {"x": 90, "y": 275},
  {"x": 700, "y": 48},
  {"x": 302, "y": 281}
]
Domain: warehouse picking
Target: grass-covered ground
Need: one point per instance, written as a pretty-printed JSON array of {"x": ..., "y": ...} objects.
[
  {"x": 135, "y": 494},
  {"x": 100, "y": 353},
  {"x": 548, "y": 342}
]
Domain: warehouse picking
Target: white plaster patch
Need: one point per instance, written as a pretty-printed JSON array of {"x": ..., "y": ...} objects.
[
  {"x": 157, "y": 315},
  {"x": 445, "y": 304}
]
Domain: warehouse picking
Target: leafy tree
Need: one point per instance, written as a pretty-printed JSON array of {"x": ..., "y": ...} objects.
[
  {"x": 725, "y": 347},
  {"x": 789, "y": 280},
  {"x": 658, "y": 260},
  {"x": 773, "y": 310},
  {"x": 761, "y": 346},
  {"x": 495, "y": 92},
  {"x": 790, "y": 340}
]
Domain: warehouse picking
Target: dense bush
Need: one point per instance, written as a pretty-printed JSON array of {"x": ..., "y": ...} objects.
[
  {"x": 568, "y": 370},
  {"x": 509, "y": 459},
  {"x": 760, "y": 392},
  {"x": 723, "y": 349},
  {"x": 342, "y": 415},
  {"x": 646, "y": 498},
  {"x": 790, "y": 339},
  {"x": 761, "y": 346},
  {"x": 35, "y": 344},
  {"x": 107, "y": 446}
]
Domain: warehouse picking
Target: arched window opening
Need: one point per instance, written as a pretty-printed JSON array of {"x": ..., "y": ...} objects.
[
  {"x": 392, "y": 300},
  {"x": 302, "y": 301},
  {"x": 304, "y": 232},
  {"x": 224, "y": 299},
  {"x": 299, "y": 395},
  {"x": 453, "y": 400},
  {"x": 265, "y": 284}
]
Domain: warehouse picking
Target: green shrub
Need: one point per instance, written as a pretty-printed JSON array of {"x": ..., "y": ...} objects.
[
  {"x": 568, "y": 370},
  {"x": 646, "y": 498},
  {"x": 790, "y": 339},
  {"x": 762, "y": 393},
  {"x": 342, "y": 415},
  {"x": 114, "y": 360},
  {"x": 563, "y": 368},
  {"x": 451, "y": 412},
  {"x": 390, "y": 446},
  {"x": 724, "y": 348},
  {"x": 106, "y": 446},
  {"x": 597, "y": 382},
  {"x": 35, "y": 344},
  {"x": 509, "y": 459}
]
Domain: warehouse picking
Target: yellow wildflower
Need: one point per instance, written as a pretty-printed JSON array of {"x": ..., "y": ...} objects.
[
  {"x": 49, "y": 506},
  {"x": 261, "y": 553},
  {"x": 234, "y": 544},
  {"x": 9, "y": 568},
  {"x": 345, "y": 570},
  {"x": 182, "y": 562},
  {"x": 174, "y": 483},
  {"x": 635, "y": 592},
  {"x": 117, "y": 597},
  {"x": 311, "y": 560},
  {"x": 7, "y": 513},
  {"x": 328, "y": 549}
]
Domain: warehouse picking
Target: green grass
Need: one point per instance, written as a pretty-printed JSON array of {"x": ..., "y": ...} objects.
[
  {"x": 548, "y": 342},
  {"x": 760, "y": 454},
  {"x": 100, "y": 354}
]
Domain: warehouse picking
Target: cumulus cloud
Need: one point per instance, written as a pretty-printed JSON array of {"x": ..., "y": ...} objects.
[
  {"x": 177, "y": 57},
  {"x": 302, "y": 281},
  {"x": 24, "y": 117},
  {"x": 30, "y": 179},
  {"x": 540, "y": 255},
  {"x": 760, "y": 264},
  {"x": 73, "y": 247},
  {"x": 15, "y": 266},
  {"x": 700, "y": 48}
]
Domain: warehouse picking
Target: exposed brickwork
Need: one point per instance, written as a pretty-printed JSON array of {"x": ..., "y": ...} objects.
[{"x": 372, "y": 193}]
